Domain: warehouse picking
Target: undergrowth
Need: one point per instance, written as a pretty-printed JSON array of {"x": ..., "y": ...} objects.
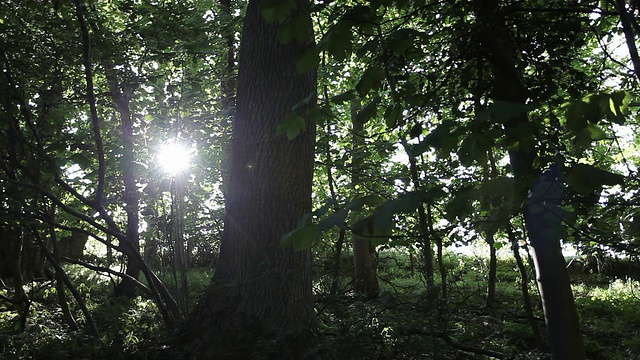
[{"x": 404, "y": 322}]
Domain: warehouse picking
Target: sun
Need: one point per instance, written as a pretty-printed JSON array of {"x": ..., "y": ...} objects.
[{"x": 174, "y": 158}]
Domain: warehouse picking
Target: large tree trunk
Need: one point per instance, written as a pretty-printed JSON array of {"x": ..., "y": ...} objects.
[
  {"x": 559, "y": 308},
  {"x": 261, "y": 293}
]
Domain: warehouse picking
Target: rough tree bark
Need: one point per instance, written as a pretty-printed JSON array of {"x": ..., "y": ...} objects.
[
  {"x": 565, "y": 340},
  {"x": 261, "y": 293}
]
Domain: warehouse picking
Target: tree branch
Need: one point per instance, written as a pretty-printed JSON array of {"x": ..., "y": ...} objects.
[
  {"x": 626, "y": 19},
  {"x": 91, "y": 99},
  {"x": 109, "y": 271}
]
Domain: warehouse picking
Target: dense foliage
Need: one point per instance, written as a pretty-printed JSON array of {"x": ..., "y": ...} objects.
[{"x": 434, "y": 123}]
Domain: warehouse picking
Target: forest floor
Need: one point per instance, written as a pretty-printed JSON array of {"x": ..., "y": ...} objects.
[{"x": 404, "y": 322}]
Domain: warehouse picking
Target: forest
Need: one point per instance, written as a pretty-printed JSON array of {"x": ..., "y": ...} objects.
[{"x": 327, "y": 179}]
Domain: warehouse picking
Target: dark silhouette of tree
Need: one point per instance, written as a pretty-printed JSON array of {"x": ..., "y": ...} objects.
[{"x": 261, "y": 291}]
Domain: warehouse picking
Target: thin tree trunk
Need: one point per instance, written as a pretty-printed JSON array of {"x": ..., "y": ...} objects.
[
  {"x": 60, "y": 289},
  {"x": 63, "y": 276},
  {"x": 560, "y": 312},
  {"x": 91, "y": 100},
  {"x": 19, "y": 295},
  {"x": 179, "y": 256},
  {"x": 337, "y": 257},
  {"x": 131, "y": 196},
  {"x": 12, "y": 233},
  {"x": 441, "y": 268},
  {"x": 493, "y": 265},
  {"x": 427, "y": 251},
  {"x": 543, "y": 216},
  {"x": 524, "y": 287},
  {"x": 109, "y": 250},
  {"x": 365, "y": 280},
  {"x": 626, "y": 20}
]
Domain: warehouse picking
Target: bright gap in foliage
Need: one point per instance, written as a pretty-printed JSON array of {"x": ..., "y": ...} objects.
[{"x": 174, "y": 158}]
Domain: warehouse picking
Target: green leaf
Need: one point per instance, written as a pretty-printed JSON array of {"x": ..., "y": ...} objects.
[
  {"x": 322, "y": 211},
  {"x": 503, "y": 111},
  {"x": 305, "y": 219},
  {"x": 619, "y": 106},
  {"x": 81, "y": 160},
  {"x": 460, "y": 206},
  {"x": 586, "y": 179},
  {"x": 308, "y": 60},
  {"x": 277, "y": 10},
  {"x": 474, "y": 149},
  {"x": 521, "y": 136},
  {"x": 433, "y": 194},
  {"x": 402, "y": 40},
  {"x": 368, "y": 112},
  {"x": 291, "y": 126},
  {"x": 338, "y": 41},
  {"x": 595, "y": 132},
  {"x": 392, "y": 116},
  {"x": 337, "y": 219},
  {"x": 302, "y": 238},
  {"x": 373, "y": 200},
  {"x": 319, "y": 115},
  {"x": 303, "y": 28},
  {"x": 634, "y": 225},
  {"x": 361, "y": 14},
  {"x": 441, "y": 138},
  {"x": 381, "y": 222},
  {"x": 286, "y": 33},
  {"x": 405, "y": 203},
  {"x": 371, "y": 80},
  {"x": 344, "y": 97},
  {"x": 590, "y": 109}
]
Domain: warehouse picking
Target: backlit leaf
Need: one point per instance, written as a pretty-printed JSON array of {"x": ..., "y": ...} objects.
[{"x": 301, "y": 238}]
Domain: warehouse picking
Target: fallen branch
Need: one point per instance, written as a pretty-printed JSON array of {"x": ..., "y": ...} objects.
[{"x": 456, "y": 343}]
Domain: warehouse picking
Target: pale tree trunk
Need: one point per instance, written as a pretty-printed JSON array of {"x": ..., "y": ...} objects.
[
  {"x": 561, "y": 316},
  {"x": 261, "y": 293},
  {"x": 364, "y": 280}
]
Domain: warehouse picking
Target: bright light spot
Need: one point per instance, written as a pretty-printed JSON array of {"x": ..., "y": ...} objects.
[{"x": 174, "y": 158}]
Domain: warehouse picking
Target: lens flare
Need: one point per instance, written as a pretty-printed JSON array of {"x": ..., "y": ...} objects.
[{"x": 174, "y": 158}]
